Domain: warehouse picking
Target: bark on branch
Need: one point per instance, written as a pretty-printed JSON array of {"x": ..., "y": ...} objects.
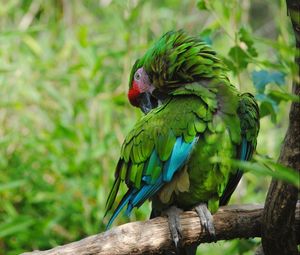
[
  {"x": 278, "y": 217},
  {"x": 153, "y": 236}
]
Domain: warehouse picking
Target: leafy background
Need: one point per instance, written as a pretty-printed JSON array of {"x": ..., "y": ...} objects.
[{"x": 64, "y": 69}]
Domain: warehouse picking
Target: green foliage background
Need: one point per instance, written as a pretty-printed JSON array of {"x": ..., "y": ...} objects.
[{"x": 64, "y": 69}]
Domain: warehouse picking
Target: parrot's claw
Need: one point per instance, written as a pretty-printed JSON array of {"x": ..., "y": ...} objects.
[
  {"x": 173, "y": 214},
  {"x": 206, "y": 219}
]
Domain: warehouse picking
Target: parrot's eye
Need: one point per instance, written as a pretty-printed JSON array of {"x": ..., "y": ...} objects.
[{"x": 137, "y": 76}]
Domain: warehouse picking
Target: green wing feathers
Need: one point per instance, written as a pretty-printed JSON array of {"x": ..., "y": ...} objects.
[{"x": 248, "y": 112}]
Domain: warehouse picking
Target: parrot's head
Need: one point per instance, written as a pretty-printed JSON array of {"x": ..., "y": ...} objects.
[
  {"x": 141, "y": 89},
  {"x": 174, "y": 60}
]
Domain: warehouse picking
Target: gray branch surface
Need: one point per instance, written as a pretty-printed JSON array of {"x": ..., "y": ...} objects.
[{"x": 153, "y": 236}]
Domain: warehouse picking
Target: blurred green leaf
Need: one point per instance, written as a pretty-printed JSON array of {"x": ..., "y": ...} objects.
[
  {"x": 32, "y": 44},
  {"x": 201, "y": 4},
  {"x": 206, "y": 35},
  {"x": 14, "y": 226},
  {"x": 12, "y": 185},
  {"x": 239, "y": 58},
  {"x": 268, "y": 106},
  {"x": 264, "y": 166},
  {"x": 247, "y": 38},
  {"x": 281, "y": 95},
  {"x": 82, "y": 36}
]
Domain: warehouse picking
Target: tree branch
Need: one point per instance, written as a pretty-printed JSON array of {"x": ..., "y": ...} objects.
[
  {"x": 279, "y": 214},
  {"x": 153, "y": 236}
]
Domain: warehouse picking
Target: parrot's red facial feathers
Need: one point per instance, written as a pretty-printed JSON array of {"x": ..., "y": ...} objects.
[{"x": 133, "y": 94}]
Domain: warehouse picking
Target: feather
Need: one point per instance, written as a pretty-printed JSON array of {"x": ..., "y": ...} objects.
[
  {"x": 179, "y": 155},
  {"x": 120, "y": 206},
  {"x": 165, "y": 144},
  {"x": 183, "y": 181},
  {"x": 112, "y": 195}
]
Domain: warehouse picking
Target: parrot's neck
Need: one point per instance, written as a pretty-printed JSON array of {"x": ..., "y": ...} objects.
[{"x": 219, "y": 95}]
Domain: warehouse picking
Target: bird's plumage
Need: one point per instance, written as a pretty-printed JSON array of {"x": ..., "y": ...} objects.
[{"x": 167, "y": 155}]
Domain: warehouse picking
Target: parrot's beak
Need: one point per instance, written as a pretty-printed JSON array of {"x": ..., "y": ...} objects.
[{"x": 147, "y": 102}]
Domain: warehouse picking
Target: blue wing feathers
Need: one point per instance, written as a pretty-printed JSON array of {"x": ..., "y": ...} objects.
[{"x": 179, "y": 154}]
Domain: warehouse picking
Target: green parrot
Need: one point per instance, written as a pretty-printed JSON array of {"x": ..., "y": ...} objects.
[{"x": 193, "y": 115}]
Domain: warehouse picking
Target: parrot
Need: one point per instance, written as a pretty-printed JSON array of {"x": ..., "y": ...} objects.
[{"x": 178, "y": 154}]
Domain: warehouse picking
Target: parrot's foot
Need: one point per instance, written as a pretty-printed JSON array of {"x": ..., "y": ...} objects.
[
  {"x": 206, "y": 219},
  {"x": 173, "y": 214}
]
